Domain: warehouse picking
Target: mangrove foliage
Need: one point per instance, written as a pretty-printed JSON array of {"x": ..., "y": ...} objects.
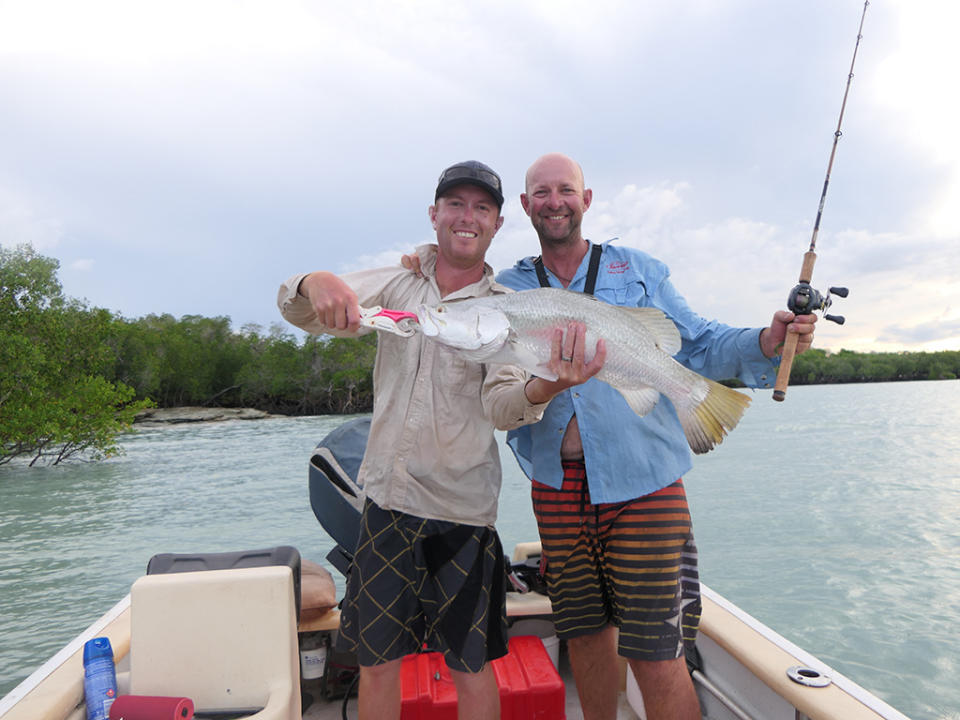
[{"x": 72, "y": 377}]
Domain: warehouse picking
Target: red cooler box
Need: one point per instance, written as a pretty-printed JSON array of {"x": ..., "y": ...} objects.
[{"x": 530, "y": 687}]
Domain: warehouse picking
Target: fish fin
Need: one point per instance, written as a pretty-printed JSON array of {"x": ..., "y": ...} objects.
[
  {"x": 706, "y": 422},
  {"x": 513, "y": 353},
  {"x": 664, "y": 332},
  {"x": 485, "y": 352},
  {"x": 641, "y": 401},
  {"x": 477, "y": 355}
]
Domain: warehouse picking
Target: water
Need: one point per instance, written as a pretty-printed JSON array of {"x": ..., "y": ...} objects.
[{"x": 830, "y": 517}]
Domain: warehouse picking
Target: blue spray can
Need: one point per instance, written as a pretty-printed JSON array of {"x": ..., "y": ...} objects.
[{"x": 99, "y": 678}]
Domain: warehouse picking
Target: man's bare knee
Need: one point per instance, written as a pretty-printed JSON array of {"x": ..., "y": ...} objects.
[{"x": 478, "y": 697}]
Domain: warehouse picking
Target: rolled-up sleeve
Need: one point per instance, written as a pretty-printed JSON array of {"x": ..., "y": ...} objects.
[
  {"x": 367, "y": 284},
  {"x": 296, "y": 309},
  {"x": 504, "y": 401}
]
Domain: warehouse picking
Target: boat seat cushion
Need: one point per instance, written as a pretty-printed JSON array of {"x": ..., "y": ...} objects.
[{"x": 226, "y": 639}]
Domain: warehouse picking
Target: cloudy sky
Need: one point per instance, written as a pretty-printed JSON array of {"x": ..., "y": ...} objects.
[{"x": 185, "y": 157}]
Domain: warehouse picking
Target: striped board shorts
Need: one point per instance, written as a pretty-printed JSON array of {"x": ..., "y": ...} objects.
[
  {"x": 414, "y": 580},
  {"x": 631, "y": 564}
]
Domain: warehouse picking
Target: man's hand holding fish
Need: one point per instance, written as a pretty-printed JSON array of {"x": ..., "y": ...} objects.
[
  {"x": 607, "y": 458},
  {"x": 567, "y": 362}
]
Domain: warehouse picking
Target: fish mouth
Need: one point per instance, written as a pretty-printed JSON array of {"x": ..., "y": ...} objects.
[
  {"x": 428, "y": 325},
  {"x": 483, "y": 332},
  {"x": 433, "y": 324}
]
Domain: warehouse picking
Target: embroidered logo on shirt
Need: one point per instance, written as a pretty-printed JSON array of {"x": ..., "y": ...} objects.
[{"x": 618, "y": 267}]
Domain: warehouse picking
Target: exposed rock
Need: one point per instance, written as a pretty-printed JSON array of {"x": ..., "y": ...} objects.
[{"x": 163, "y": 416}]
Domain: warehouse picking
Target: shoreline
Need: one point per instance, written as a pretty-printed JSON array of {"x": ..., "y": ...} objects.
[{"x": 192, "y": 414}]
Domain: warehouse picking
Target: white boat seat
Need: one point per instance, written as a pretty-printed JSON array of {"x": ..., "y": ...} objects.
[{"x": 226, "y": 639}]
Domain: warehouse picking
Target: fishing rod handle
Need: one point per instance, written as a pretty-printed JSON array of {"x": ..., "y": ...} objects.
[
  {"x": 786, "y": 363},
  {"x": 791, "y": 340}
]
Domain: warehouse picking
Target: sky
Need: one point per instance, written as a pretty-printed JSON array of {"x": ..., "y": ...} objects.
[{"x": 185, "y": 157}]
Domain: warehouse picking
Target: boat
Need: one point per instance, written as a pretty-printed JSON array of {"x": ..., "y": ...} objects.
[{"x": 222, "y": 629}]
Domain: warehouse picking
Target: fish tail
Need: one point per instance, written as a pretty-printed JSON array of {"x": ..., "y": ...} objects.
[{"x": 718, "y": 413}]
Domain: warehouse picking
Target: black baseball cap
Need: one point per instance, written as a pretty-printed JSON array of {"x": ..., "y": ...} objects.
[{"x": 471, "y": 172}]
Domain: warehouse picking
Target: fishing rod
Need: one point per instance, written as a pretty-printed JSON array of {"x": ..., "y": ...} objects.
[{"x": 803, "y": 299}]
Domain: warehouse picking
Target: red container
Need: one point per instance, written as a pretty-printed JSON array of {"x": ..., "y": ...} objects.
[
  {"x": 427, "y": 691},
  {"x": 530, "y": 687}
]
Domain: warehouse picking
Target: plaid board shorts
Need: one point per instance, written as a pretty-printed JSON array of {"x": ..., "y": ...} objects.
[
  {"x": 632, "y": 564},
  {"x": 415, "y": 580}
]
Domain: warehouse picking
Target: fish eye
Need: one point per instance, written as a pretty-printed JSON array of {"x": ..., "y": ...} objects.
[{"x": 439, "y": 308}]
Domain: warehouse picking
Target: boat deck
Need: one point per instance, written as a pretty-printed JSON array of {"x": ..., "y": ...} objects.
[
  {"x": 744, "y": 672},
  {"x": 316, "y": 707},
  {"x": 320, "y": 709}
]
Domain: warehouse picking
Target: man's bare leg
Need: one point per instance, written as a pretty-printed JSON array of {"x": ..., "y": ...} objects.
[
  {"x": 593, "y": 659},
  {"x": 379, "y": 694},
  {"x": 478, "y": 697},
  {"x": 667, "y": 689}
]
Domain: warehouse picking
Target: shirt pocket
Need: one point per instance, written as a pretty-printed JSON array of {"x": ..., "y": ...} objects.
[
  {"x": 629, "y": 295},
  {"x": 457, "y": 375}
]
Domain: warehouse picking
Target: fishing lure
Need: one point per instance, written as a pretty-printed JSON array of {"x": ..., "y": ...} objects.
[{"x": 398, "y": 322}]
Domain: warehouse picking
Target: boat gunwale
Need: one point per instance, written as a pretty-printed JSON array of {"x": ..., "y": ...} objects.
[
  {"x": 803, "y": 698},
  {"x": 73, "y": 649},
  {"x": 732, "y": 639}
]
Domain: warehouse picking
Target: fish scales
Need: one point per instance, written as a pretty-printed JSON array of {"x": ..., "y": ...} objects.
[
  {"x": 534, "y": 320},
  {"x": 517, "y": 328}
]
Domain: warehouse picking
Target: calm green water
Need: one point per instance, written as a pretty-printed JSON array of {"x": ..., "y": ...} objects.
[{"x": 831, "y": 517}]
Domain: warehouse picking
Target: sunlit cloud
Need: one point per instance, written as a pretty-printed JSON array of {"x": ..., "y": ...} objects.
[
  {"x": 928, "y": 334},
  {"x": 909, "y": 84}
]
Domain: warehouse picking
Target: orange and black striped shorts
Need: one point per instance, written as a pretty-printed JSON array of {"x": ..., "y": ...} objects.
[{"x": 632, "y": 564}]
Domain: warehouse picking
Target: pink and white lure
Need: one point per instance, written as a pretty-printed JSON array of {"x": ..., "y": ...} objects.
[{"x": 397, "y": 322}]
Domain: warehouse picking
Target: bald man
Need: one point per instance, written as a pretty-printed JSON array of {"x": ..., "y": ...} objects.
[{"x": 607, "y": 484}]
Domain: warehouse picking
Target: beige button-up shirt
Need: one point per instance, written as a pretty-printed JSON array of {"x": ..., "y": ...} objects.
[{"x": 431, "y": 451}]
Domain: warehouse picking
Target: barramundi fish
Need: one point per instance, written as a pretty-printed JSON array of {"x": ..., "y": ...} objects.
[{"x": 517, "y": 329}]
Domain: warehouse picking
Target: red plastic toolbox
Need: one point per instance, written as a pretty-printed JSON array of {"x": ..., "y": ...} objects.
[
  {"x": 427, "y": 691},
  {"x": 530, "y": 687}
]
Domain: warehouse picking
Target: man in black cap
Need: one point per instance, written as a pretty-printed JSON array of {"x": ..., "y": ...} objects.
[{"x": 428, "y": 565}]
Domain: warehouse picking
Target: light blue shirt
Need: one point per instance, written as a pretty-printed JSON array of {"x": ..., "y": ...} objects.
[{"x": 628, "y": 456}]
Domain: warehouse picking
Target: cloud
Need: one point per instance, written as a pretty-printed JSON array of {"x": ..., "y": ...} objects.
[
  {"x": 740, "y": 270},
  {"x": 642, "y": 217},
  {"x": 909, "y": 86},
  {"x": 147, "y": 33},
  {"x": 21, "y": 221},
  {"x": 231, "y": 144},
  {"x": 932, "y": 332},
  {"x": 381, "y": 259}
]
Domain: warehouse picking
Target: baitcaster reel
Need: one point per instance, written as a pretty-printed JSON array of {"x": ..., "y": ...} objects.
[{"x": 805, "y": 300}]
